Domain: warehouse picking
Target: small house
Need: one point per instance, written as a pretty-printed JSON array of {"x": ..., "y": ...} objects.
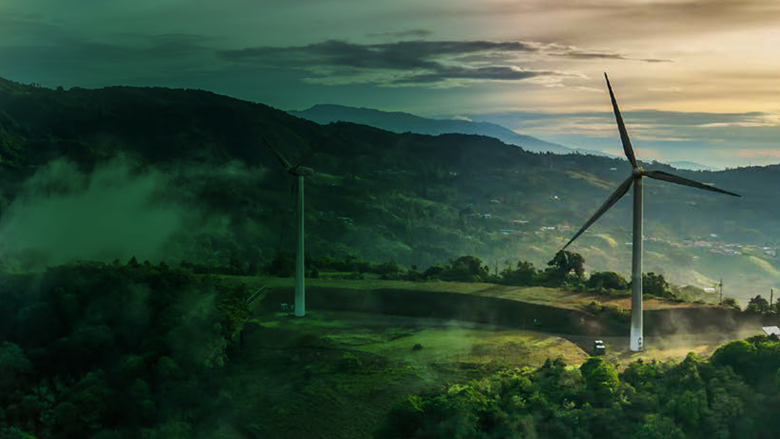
[{"x": 772, "y": 331}]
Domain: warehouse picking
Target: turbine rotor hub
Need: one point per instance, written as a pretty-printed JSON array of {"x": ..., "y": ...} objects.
[{"x": 301, "y": 171}]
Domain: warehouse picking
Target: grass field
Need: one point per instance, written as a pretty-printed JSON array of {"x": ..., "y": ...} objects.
[
  {"x": 337, "y": 374},
  {"x": 394, "y": 337}
]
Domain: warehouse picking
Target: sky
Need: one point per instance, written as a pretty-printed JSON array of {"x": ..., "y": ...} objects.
[{"x": 696, "y": 79}]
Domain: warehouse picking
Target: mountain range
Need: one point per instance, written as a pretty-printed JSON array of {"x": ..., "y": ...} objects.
[
  {"x": 173, "y": 174},
  {"x": 399, "y": 122},
  {"x": 691, "y": 166}
]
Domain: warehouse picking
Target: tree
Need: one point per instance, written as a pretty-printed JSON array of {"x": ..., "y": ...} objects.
[
  {"x": 659, "y": 427},
  {"x": 524, "y": 274},
  {"x": 740, "y": 355},
  {"x": 567, "y": 264},
  {"x": 13, "y": 364},
  {"x": 729, "y": 302},
  {"x": 601, "y": 379},
  {"x": 466, "y": 269},
  {"x": 607, "y": 279},
  {"x": 758, "y": 305},
  {"x": 283, "y": 265},
  {"x": 655, "y": 285},
  {"x": 434, "y": 271}
]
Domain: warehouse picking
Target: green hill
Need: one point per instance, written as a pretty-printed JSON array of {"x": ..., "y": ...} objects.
[{"x": 194, "y": 182}]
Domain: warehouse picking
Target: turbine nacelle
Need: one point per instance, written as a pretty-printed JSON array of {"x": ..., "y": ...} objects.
[
  {"x": 301, "y": 171},
  {"x": 298, "y": 170}
]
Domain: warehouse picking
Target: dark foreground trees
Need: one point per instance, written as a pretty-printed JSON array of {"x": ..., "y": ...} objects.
[
  {"x": 110, "y": 351},
  {"x": 735, "y": 395}
]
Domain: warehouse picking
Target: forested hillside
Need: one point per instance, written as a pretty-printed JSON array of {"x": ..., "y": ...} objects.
[
  {"x": 189, "y": 179},
  {"x": 733, "y": 395}
]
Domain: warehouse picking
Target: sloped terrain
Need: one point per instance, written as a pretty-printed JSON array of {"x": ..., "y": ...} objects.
[{"x": 413, "y": 199}]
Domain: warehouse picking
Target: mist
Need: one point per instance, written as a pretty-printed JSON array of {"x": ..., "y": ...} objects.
[{"x": 63, "y": 214}]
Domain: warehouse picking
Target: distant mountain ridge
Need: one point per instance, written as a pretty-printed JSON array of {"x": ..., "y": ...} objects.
[
  {"x": 399, "y": 122},
  {"x": 691, "y": 166}
]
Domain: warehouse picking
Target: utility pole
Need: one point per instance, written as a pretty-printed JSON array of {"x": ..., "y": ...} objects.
[
  {"x": 721, "y": 291},
  {"x": 771, "y": 298}
]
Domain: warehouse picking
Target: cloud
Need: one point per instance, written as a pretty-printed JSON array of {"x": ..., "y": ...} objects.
[
  {"x": 771, "y": 154},
  {"x": 716, "y": 139},
  {"x": 576, "y": 53},
  {"x": 418, "y": 62},
  {"x": 63, "y": 214},
  {"x": 392, "y": 64},
  {"x": 500, "y": 73},
  {"x": 620, "y": 20},
  {"x": 416, "y": 33},
  {"x": 696, "y": 15},
  {"x": 394, "y": 56},
  {"x": 584, "y": 54},
  {"x": 57, "y": 53},
  {"x": 176, "y": 44},
  {"x": 665, "y": 89}
]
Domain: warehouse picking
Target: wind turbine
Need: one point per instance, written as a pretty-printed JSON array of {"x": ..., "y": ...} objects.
[
  {"x": 300, "y": 172},
  {"x": 635, "y": 179}
]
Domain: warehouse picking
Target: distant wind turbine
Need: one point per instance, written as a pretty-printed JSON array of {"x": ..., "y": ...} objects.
[
  {"x": 636, "y": 179},
  {"x": 300, "y": 172}
]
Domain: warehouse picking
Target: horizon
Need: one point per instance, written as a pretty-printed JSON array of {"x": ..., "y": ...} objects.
[{"x": 692, "y": 76}]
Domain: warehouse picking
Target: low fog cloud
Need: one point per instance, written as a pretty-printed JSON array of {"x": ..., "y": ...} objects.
[{"x": 63, "y": 214}]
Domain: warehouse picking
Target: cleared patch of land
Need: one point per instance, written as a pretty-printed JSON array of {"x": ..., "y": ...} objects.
[
  {"x": 537, "y": 295},
  {"x": 394, "y": 337},
  {"x": 336, "y": 374},
  {"x": 664, "y": 348}
]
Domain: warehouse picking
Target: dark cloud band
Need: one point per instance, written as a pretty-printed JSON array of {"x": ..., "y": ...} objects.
[{"x": 417, "y": 62}]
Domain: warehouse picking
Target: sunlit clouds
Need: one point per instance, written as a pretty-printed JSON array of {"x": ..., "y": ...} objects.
[{"x": 709, "y": 63}]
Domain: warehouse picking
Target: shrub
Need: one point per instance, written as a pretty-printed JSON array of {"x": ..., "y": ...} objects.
[
  {"x": 607, "y": 279},
  {"x": 523, "y": 275},
  {"x": 655, "y": 285}
]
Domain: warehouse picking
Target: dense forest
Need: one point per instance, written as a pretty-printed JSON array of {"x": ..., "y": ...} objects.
[
  {"x": 114, "y": 350},
  {"x": 732, "y": 395}
]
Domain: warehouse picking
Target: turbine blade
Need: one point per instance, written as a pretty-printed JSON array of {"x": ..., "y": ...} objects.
[
  {"x": 284, "y": 162},
  {"x": 627, "y": 148},
  {"x": 665, "y": 176},
  {"x": 617, "y": 195}
]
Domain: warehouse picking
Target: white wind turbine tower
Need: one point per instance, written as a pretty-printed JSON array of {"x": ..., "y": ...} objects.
[
  {"x": 636, "y": 179},
  {"x": 300, "y": 172}
]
